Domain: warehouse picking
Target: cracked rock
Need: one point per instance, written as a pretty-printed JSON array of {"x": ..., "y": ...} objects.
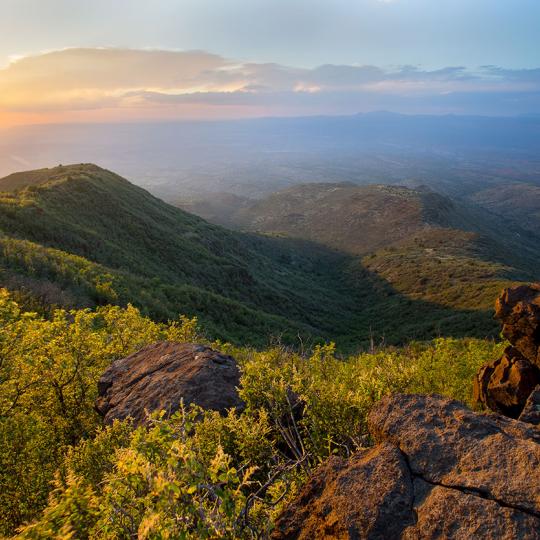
[
  {"x": 450, "y": 513},
  {"x": 160, "y": 376},
  {"x": 451, "y": 473},
  {"x": 368, "y": 496},
  {"x": 448, "y": 444}
]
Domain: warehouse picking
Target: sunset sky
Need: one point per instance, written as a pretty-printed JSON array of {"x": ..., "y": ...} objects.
[{"x": 123, "y": 60}]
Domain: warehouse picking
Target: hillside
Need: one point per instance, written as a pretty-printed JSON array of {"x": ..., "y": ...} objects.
[
  {"x": 353, "y": 219},
  {"x": 518, "y": 202},
  {"x": 84, "y": 236},
  {"x": 336, "y": 261}
]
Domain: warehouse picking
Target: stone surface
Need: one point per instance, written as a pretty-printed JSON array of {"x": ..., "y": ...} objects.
[
  {"x": 440, "y": 471},
  {"x": 159, "y": 376},
  {"x": 505, "y": 384},
  {"x": 448, "y": 444},
  {"x": 450, "y": 513},
  {"x": 369, "y": 496},
  {"x": 531, "y": 411}
]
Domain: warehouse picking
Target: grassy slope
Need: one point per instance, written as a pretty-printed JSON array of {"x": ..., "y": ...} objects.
[
  {"x": 435, "y": 262},
  {"x": 344, "y": 216}
]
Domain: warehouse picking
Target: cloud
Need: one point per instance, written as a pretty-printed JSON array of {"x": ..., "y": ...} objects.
[{"x": 129, "y": 83}]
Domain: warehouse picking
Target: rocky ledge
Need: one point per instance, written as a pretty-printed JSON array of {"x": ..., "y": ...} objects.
[{"x": 505, "y": 385}]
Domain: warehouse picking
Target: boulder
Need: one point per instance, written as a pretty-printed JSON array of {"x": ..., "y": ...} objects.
[
  {"x": 449, "y": 445},
  {"x": 160, "y": 376},
  {"x": 518, "y": 308},
  {"x": 439, "y": 471},
  {"x": 531, "y": 411},
  {"x": 505, "y": 384}
]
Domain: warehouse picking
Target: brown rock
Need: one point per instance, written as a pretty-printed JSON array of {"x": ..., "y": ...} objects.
[
  {"x": 159, "y": 376},
  {"x": 450, "y": 513},
  {"x": 505, "y": 384},
  {"x": 531, "y": 411},
  {"x": 518, "y": 308},
  {"x": 490, "y": 456},
  {"x": 367, "y": 497}
]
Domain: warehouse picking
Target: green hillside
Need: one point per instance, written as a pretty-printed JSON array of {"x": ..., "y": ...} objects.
[
  {"x": 85, "y": 236},
  {"x": 435, "y": 262},
  {"x": 384, "y": 267}
]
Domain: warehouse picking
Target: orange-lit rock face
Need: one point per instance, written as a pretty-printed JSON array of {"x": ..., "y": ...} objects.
[
  {"x": 518, "y": 308},
  {"x": 505, "y": 384}
]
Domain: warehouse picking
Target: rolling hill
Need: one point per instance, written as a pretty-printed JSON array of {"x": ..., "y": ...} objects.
[
  {"x": 80, "y": 235},
  {"x": 517, "y": 202}
]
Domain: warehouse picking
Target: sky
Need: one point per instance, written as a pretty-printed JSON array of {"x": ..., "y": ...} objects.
[{"x": 122, "y": 60}]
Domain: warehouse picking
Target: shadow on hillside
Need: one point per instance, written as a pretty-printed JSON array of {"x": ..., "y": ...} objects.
[{"x": 386, "y": 316}]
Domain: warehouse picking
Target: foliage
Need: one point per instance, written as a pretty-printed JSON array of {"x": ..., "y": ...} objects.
[
  {"x": 336, "y": 394},
  {"x": 80, "y": 236},
  {"x": 158, "y": 486},
  {"x": 48, "y": 374},
  {"x": 198, "y": 474}
]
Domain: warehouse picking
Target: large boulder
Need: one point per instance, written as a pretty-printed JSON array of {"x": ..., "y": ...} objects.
[
  {"x": 449, "y": 445},
  {"x": 162, "y": 375},
  {"x": 439, "y": 471},
  {"x": 505, "y": 384}
]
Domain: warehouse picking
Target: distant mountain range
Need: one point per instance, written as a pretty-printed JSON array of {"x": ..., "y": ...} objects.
[{"x": 319, "y": 261}]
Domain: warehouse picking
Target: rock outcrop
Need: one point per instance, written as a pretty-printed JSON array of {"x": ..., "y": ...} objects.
[
  {"x": 505, "y": 384},
  {"x": 518, "y": 308},
  {"x": 439, "y": 471},
  {"x": 160, "y": 376},
  {"x": 371, "y": 493}
]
